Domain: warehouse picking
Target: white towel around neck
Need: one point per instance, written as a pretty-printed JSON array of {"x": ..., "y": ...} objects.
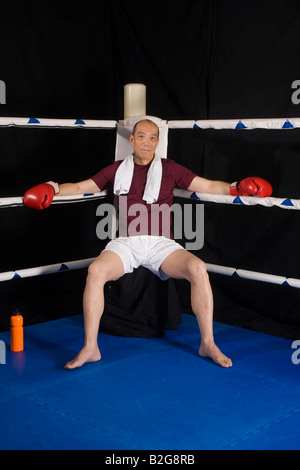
[{"x": 124, "y": 175}]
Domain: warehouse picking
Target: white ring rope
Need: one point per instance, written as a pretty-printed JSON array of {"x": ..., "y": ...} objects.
[
  {"x": 213, "y": 268},
  {"x": 282, "y": 123},
  {"x": 63, "y": 123},
  {"x": 284, "y": 203},
  {"x": 48, "y": 269},
  {"x": 253, "y": 275},
  {"x": 18, "y": 201}
]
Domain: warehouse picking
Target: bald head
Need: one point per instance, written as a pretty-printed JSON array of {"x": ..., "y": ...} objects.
[{"x": 145, "y": 121}]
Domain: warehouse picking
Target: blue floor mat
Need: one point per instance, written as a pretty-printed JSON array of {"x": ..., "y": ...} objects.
[{"x": 149, "y": 394}]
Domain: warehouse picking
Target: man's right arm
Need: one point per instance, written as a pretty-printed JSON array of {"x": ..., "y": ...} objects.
[
  {"x": 40, "y": 196},
  {"x": 83, "y": 187}
]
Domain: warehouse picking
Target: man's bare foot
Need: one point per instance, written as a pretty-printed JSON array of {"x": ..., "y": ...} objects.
[
  {"x": 85, "y": 355},
  {"x": 214, "y": 353}
]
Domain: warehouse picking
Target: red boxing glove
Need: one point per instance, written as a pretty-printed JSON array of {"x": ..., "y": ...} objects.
[
  {"x": 253, "y": 186},
  {"x": 40, "y": 196}
]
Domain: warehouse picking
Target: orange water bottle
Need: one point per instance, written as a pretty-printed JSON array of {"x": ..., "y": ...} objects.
[{"x": 16, "y": 332}]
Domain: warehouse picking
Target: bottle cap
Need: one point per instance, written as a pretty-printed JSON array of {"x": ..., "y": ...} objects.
[{"x": 16, "y": 319}]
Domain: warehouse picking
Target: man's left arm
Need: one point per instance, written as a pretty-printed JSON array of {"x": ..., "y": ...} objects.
[
  {"x": 203, "y": 185},
  {"x": 252, "y": 186}
]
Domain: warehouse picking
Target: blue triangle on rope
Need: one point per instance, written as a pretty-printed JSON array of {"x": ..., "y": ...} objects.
[
  {"x": 79, "y": 121},
  {"x": 194, "y": 196},
  {"x": 287, "y": 125},
  {"x": 63, "y": 268},
  {"x": 240, "y": 125},
  {"x": 16, "y": 276},
  {"x": 287, "y": 202},
  {"x": 33, "y": 121},
  {"x": 195, "y": 126},
  {"x": 237, "y": 200},
  {"x": 285, "y": 283},
  {"x": 235, "y": 274}
]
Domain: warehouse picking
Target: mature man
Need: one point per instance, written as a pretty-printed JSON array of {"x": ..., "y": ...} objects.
[{"x": 144, "y": 179}]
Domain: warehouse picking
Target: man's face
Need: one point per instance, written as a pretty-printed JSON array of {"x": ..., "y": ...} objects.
[{"x": 144, "y": 141}]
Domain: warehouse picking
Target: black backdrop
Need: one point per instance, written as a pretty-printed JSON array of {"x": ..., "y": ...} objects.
[{"x": 200, "y": 59}]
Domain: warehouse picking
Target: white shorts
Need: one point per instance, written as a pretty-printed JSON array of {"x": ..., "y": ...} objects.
[{"x": 144, "y": 250}]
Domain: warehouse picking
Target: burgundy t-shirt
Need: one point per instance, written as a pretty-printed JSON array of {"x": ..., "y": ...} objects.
[{"x": 173, "y": 175}]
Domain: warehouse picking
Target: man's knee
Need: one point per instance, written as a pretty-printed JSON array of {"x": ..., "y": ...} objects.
[
  {"x": 97, "y": 272},
  {"x": 107, "y": 267},
  {"x": 196, "y": 269}
]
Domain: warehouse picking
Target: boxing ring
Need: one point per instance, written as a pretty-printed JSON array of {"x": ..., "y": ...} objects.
[
  {"x": 269, "y": 202},
  {"x": 176, "y": 402}
]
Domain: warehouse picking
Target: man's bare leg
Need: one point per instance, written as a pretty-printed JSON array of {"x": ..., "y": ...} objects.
[
  {"x": 106, "y": 267},
  {"x": 184, "y": 265}
]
